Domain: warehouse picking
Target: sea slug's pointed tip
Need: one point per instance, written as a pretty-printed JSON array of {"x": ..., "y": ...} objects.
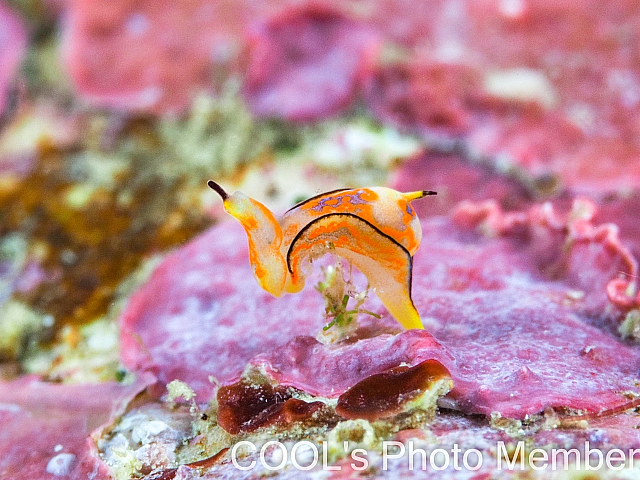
[
  {"x": 219, "y": 190},
  {"x": 418, "y": 194}
]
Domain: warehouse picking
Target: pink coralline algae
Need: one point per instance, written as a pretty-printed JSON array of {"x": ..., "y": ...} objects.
[
  {"x": 46, "y": 427},
  {"x": 431, "y": 94},
  {"x": 202, "y": 311},
  {"x": 302, "y": 63},
  {"x": 13, "y": 43},
  {"x": 503, "y": 310},
  {"x": 576, "y": 234},
  {"x": 551, "y": 90},
  {"x": 456, "y": 180},
  {"x": 150, "y": 56},
  {"x": 306, "y": 64},
  {"x": 548, "y": 92}
]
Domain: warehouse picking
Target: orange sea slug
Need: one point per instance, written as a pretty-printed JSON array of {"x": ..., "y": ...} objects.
[{"x": 375, "y": 229}]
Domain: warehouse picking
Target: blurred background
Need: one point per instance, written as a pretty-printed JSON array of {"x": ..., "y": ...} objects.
[{"x": 115, "y": 113}]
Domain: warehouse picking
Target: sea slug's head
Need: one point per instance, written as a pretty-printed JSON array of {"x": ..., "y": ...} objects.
[{"x": 265, "y": 238}]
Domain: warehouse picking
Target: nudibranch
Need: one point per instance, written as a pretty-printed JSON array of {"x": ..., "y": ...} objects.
[{"x": 375, "y": 229}]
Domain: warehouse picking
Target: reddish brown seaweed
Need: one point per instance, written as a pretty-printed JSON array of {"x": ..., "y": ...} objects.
[
  {"x": 384, "y": 394},
  {"x": 245, "y": 407}
]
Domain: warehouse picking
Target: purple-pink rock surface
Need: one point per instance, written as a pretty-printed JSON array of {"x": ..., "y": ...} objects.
[
  {"x": 306, "y": 64},
  {"x": 200, "y": 315},
  {"x": 150, "y": 56},
  {"x": 523, "y": 320},
  {"x": 544, "y": 87},
  {"x": 46, "y": 427},
  {"x": 549, "y": 89}
]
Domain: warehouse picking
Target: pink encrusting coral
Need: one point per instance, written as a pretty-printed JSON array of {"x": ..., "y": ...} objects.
[
  {"x": 13, "y": 44},
  {"x": 549, "y": 92},
  {"x": 335, "y": 370},
  {"x": 504, "y": 313},
  {"x": 307, "y": 64}
]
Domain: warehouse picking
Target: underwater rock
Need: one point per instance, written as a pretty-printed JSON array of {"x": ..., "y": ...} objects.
[
  {"x": 148, "y": 57},
  {"x": 546, "y": 91},
  {"x": 456, "y": 180},
  {"x": 329, "y": 371},
  {"x": 202, "y": 314},
  {"x": 46, "y": 427},
  {"x": 13, "y": 45},
  {"x": 521, "y": 321},
  {"x": 589, "y": 257},
  {"x": 526, "y": 337},
  {"x": 554, "y": 110},
  {"x": 306, "y": 64},
  {"x": 151, "y": 56},
  {"x": 424, "y": 94}
]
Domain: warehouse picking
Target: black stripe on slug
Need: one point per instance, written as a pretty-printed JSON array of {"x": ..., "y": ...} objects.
[{"x": 316, "y": 197}]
